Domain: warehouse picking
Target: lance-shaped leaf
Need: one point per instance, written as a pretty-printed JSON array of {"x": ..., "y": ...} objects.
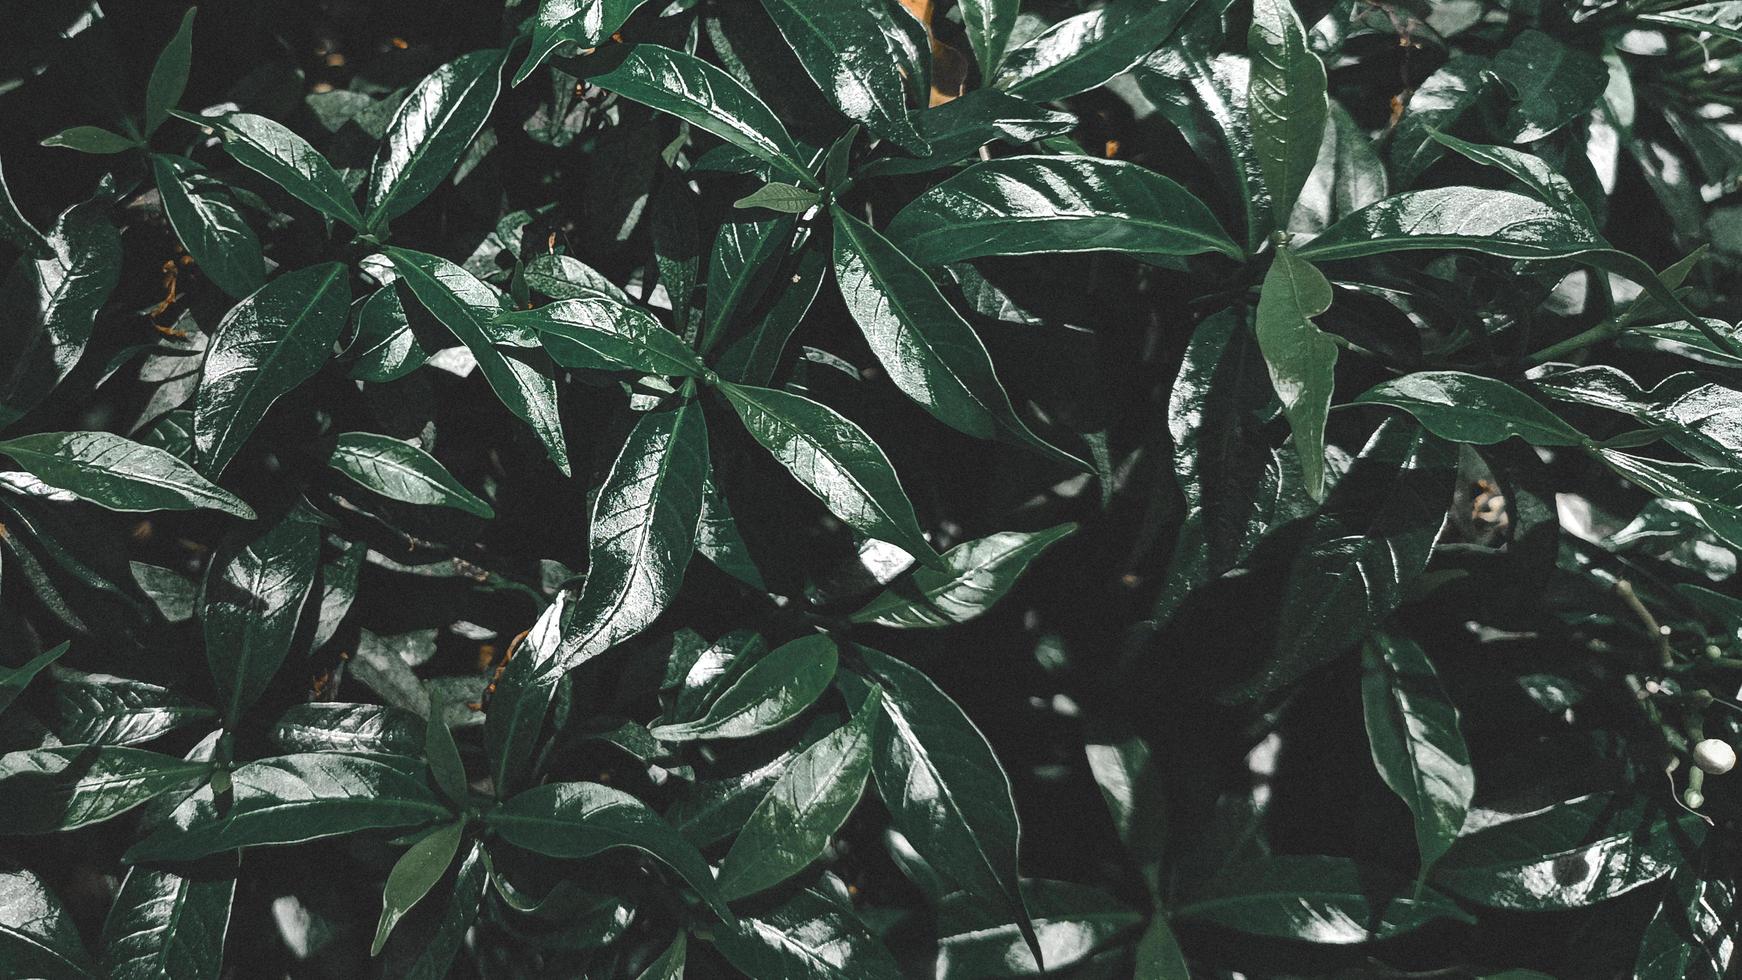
[
  {"x": 1698, "y": 415},
  {"x": 976, "y": 574},
  {"x": 118, "y": 473},
  {"x": 583, "y": 23},
  {"x": 705, "y": 97},
  {"x": 270, "y": 342},
  {"x": 1347, "y": 177},
  {"x": 413, "y": 875},
  {"x": 1072, "y": 921},
  {"x": 1438, "y": 103},
  {"x": 643, "y": 531},
  {"x": 988, "y": 24},
  {"x": 566, "y": 277},
  {"x": 43, "y": 791},
  {"x": 810, "y": 801},
  {"x": 1134, "y": 790},
  {"x": 169, "y": 76},
  {"x": 1570, "y": 855},
  {"x": 719, "y": 540},
  {"x": 1203, "y": 95},
  {"x": 13, "y": 680},
  {"x": 775, "y": 690},
  {"x": 168, "y": 924},
  {"x": 37, "y": 936},
  {"x": 1286, "y": 99},
  {"x": 253, "y": 594},
  {"x": 524, "y": 380},
  {"x": 1715, "y": 493},
  {"x": 835, "y": 460},
  {"x": 19, "y": 231},
  {"x": 810, "y": 934},
  {"x": 523, "y": 696},
  {"x": 579, "y": 820},
  {"x": 784, "y": 198},
  {"x": 1325, "y": 900},
  {"x": 670, "y": 964},
  {"x": 1473, "y": 409},
  {"x": 850, "y": 49},
  {"x": 1028, "y": 205},
  {"x": 401, "y": 471},
  {"x": 1082, "y": 52},
  {"x": 605, "y": 335},
  {"x": 1693, "y": 935},
  {"x": 1412, "y": 727},
  {"x": 49, "y": 305},
  {"x": 385, "y": 347},
  {"x": 944, "y": 788},
  {"x": 1530, "y": 170},
  {"x": 752, "y": 356},
  {"x": 92, "y": 139},
  {"x": 741, "y": 265},
  {"x": 334, "y": 726},
  {"x": 959, "y": 127},
  {"x": 430, "y": 131},
  {"x": 281, "y": 156},
  {"x": 425, "y": 943},
  {"x": 1368, "y": 542},
  {"x": 1301, "y": 358},
  {"x": 930, "y": 352},
  {"x": 210, "y": 227},
  {"x": 295, "y": 798},
  {"x": 97, "y": 709}
]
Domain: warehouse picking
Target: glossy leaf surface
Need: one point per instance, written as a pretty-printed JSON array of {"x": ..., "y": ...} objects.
[
  {"x": 772, "y": 692},
  {"x": 402, "y": 471},
  {"x": 975, "y": 575},
  {"x": 432, "y": 127},
  {"x": 1412, "y": 727},
  {"x": 119, "y": 474}
]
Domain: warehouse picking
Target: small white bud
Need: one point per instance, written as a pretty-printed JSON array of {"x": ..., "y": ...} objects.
[
  {"x": 1715, "y": 756},
  {"x": 1694, "y": 799}
]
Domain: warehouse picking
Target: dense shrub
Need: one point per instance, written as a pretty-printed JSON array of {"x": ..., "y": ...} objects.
[{"x": 453, "y": 526}]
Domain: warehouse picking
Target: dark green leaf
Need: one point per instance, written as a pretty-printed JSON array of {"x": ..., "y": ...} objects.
[
  {"x": 1158, "y": 955},
  {"x": 1072, "y": 921},
  {"x": 430, "y": 131},
  {"x": 810, "y": 935},
  {"x": 579, "y": 820},
  {"x": 413, "y": 875},
  {"x": 1531, "y": 171},
  {"x": 92, "y": 139},
  {"x": 1368, "y": 542},
  {"x": 401, "y": 471},
  {"x": 1027, "y": 205},
  {"x": 209, "y": 225},
  {"x": 445, "y": 765},
  {"x": 720, "y": 542},
  {"x": 1286, "y": 101},
  {"x": 566, "y": 277},
  {"x": 97, "y": 709},
  {"x": 988, "y": 24},
  {"x": 670, "y": 965},
  {"x": 1496, "y": 222},
  {"x": 119, "y": 474},
  {"x": 1438, "y": 103},
  {"x": 1082, "y": 52},
  {"x": 1412, "y": 727},
  {"x": 849, "y": 48},
  {"x": 1569, "y": 855},
  {"x": 295, "y": 798},
  {"x": 1204, "y": 96},
  {"x": 976, "y": 574},
  {"x": 958, "y": 128},
  {"x": 643, "y": 531},
  {"x": 266, "y": 345},
  {"x": 47, "y": 790},
  {"x": 1470, "y": 408},
  {"x": 48, "y": 306},
  {"x": 253, "y": 595},
  {"x": 38, "y": 939},
  {"x": 929, "y": 351},
  {"x": 522, "y": 699},
  {"x": 523, "y": 379},
  {"x": 169, "y": 76},
  {"x": 1552, "y": 83},
  {"x": 1327, "y": 900},
  {"x": 740, "y": 267},
  {"x": 583, "y": 23},
  {"x": 281, "y": 156},
  {"x": 1716, "y": 494},
  {"x": 13, "y": 680},
  {"x": 424, "y": 946},
  {"x": 605, "y": 335},
  {"x": 170, "y": 925},
  {"x": 333, "y": 726},
  {"x": 707, "y": 98},
  {"x": 1131, "y": 785},
  {"x": 835, "y": 460},
  {"x": 775, "y": 690},
  {"x": 944, "y": 788},
  {"x": 1301, "y": 358},
  {"x": 1722, "y": 19},
  {"x": 752, "y": 356},
  {"x": 385, "y": 348},
  {"x": 807, "y": 805}
]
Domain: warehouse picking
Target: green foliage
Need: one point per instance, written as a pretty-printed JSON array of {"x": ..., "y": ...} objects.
[{"x": 870, "y": 488}]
